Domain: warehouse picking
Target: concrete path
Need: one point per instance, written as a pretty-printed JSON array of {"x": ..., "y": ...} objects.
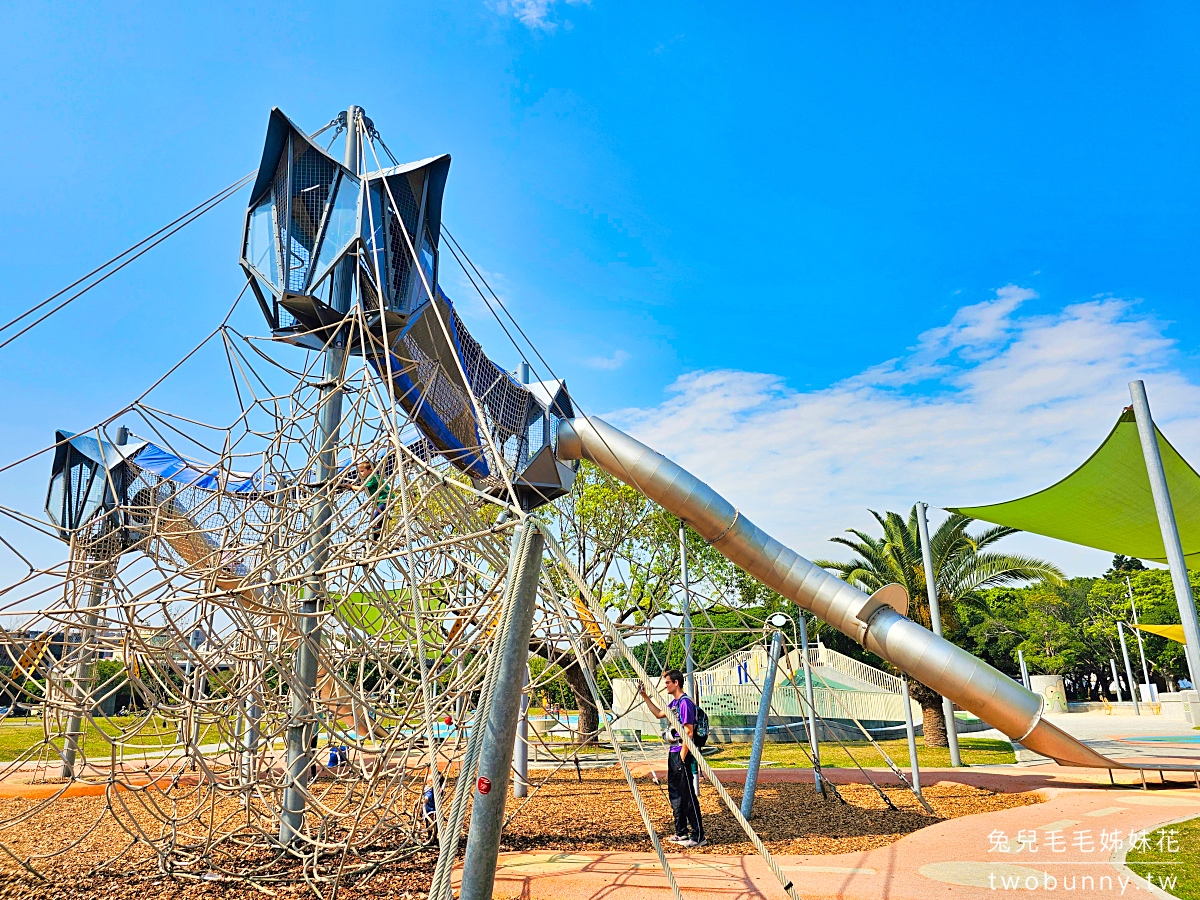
[
  {"x": 1124, "y": 736},
  {"x": 1073, "y": 844},
  {"x": 1068, "y": 844}
]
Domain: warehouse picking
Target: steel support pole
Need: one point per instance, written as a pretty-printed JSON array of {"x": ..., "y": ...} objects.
[
  {"x": 935, "y": 621},
  {"x": 911, "y": 733},
  {"x": 1024, "y": 669},
  {"x": 760, "y": 725},
  {"x": 689, "y": 665},
  {"x": 252, "y": 717},
  {"x": 302, "y": 715},
  {"x": 1137, "y": 633},
  {"x": 1116, "y": 678},
  {"x": 812, "y": 708},
  {"x": 495, "y": 759},
  {"x": 521, "y": 747},
  {"x": 1168, "y": 526},
  {"x": 1133, "y": 694},
  {"x": 82, "y": 677}
]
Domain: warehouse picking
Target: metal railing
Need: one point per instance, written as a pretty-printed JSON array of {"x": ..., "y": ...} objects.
[
  {"x": 839, "y": 662},
  {"x": 743, "y": 699}
]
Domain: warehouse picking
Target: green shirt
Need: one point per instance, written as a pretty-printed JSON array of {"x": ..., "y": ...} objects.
[{"x": 379, "y": 491}]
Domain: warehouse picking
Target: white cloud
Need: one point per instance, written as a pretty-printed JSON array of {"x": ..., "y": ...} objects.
[
  {"x": 991, "y": 406},
  {"x": 618, "y": 359},
  {"x": 536, "y": 15}
]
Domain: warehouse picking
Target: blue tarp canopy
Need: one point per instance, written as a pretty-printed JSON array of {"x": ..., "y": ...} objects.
[{"x": 182, "y": 470}]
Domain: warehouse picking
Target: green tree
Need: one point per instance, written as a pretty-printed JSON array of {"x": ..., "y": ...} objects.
[
  {"x": 626, "y": 548},
  {"x": 1122, "y": 566},
  {"x": 962, "y": 565},
  {"x": 1108, "y": 603}
]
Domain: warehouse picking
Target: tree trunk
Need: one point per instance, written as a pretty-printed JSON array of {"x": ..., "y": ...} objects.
[
  {"x": 934, "y": 726},
  {"x": 589, "y": 716},
  {"x": 932, "y": 720}
]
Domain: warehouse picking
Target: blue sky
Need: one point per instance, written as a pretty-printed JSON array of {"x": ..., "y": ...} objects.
[{"x": 793, "y": 207}]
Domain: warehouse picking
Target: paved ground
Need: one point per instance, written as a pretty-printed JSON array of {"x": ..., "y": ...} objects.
[{"x": 1073, "y": 843}]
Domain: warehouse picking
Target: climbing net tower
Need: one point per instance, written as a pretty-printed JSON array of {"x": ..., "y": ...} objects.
[
  {"x": 300, "y": 610},
  {"x": 287, "y": 637}
]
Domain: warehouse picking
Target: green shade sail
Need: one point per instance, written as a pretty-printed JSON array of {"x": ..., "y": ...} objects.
[
  {"x": 1106, "y": 503},
  {"x": 389, "y": 615}
]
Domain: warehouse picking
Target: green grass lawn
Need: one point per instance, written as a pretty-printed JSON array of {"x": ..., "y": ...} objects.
[
  {"x": 18, "y": 735},
  {"x": 974, "y": 752},
  {"x": 1171, "y": 856}
]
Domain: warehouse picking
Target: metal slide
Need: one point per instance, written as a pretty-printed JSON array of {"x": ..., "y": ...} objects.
[{"x": 877, "y": 622}]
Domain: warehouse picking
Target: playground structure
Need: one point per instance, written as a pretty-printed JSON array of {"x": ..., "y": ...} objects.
[
  {"x": 328, "y": 603},
  {"x": 847, "y": 694}
]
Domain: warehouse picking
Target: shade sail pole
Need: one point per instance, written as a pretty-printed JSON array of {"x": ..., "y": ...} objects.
[
  {"x": 1166, "y": 522},
  {"x": 935, "y": 623},
  {"x": 1133, "y": 693},
  {"x": 689, "y": 664},
  {"x": 1137, "y": 633}
]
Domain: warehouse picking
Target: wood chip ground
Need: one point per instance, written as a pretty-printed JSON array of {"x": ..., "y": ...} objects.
[{"x": 596, "y": 814}]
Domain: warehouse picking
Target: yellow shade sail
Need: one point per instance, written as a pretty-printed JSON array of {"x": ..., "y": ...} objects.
[{"x": 1171, "y": 632}]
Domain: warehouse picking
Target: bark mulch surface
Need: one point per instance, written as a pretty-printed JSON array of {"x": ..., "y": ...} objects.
[{"x": 597, "y": 814}]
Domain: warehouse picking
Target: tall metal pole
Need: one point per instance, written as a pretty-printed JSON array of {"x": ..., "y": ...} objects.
[
  {"x": 688, "y": 662},
  {"x": 935, "y": 621},
  {"x": 1024, "y": 669},
  {"x": 302, "y": 716},
  {"x": 760, "y": 725},
  {"x": 1133, "y": 694},
  {"x": 911, "y": 734},
  {"x": 1116, "y": 678},
  {"x": 520, "y": 761},
  {"x": 1137, "y": 633},
  {"x": 495, "y": 759},
  {"x": 98, "y": 575},
  {"x": 812, "y": 708},
  {"x": 82, "y": 676},
  {"x": 1167, "y": 525}
]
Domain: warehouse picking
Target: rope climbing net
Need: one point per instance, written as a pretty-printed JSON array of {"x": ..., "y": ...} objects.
[
  {"x": 162, "y": 650},
  {"x": 269, "y": 630}
]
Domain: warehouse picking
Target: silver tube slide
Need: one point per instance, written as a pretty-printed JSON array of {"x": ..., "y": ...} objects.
[{"x": 876, "y": 622}]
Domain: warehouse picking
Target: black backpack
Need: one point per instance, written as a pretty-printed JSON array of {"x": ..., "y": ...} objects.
[{"x": 700, "y": 732}]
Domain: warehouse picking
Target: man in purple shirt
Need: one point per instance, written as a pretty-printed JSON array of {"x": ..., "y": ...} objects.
[{"x": 681, "y": 786}]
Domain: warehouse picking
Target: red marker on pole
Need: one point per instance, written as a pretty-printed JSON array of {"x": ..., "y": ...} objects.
[{"x": 483, "y": 785}]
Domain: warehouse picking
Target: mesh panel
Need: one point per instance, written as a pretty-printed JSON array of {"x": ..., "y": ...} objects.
[
  {"x": 312, "y": 181},
  {"x": 197, "y": 527},
  {"x": 429, "y": 385},
  {"x": 438, "y": 381},
  {"x": 366, "y": 288},
  {"x": 423, "y": 449},
  {"x": 399, "y": 254},
  {"x": 505, "y": 402}
]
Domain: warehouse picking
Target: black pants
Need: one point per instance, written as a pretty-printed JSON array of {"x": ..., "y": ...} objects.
[{"x": 682, "y": 791}]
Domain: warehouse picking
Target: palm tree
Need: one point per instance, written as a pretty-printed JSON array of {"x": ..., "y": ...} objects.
[{"x": 962, "y": 566}]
